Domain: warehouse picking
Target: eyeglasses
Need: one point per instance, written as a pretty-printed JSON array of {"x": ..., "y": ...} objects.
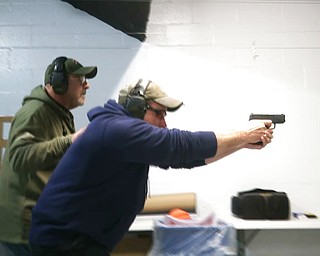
[
  {"x": 81, "y": 79},
  {"x": 161, "y": 113}
]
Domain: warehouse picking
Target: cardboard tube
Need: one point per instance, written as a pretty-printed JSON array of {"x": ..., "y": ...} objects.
[{"x": 164, "y": 203}]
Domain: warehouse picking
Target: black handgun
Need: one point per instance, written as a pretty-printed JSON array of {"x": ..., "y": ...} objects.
[{"x": 276, "y": 119}]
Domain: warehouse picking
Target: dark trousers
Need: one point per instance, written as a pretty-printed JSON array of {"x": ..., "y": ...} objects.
[
  {"x": 10, "y": 249},
  {"x": 80, "y": 247}
]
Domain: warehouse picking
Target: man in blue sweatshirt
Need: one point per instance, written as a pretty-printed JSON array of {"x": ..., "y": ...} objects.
[{"x": 100, "y": 184}]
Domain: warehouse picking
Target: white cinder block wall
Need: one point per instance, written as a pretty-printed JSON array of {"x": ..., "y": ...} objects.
[{"x": 225, "y": 59}]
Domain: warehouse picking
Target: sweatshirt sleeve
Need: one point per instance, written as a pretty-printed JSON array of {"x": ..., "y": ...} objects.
[
  {"x": 145, "y": 143},
  {"x": 186, "y": 166}
]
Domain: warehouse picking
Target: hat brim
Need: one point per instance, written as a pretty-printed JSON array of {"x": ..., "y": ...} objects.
[
  {"x": 171, "y": 103},
  {"x": 88, "y": 72}
]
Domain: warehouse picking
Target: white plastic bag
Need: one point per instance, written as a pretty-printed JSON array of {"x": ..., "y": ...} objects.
[{"x": 195, "y": 237}]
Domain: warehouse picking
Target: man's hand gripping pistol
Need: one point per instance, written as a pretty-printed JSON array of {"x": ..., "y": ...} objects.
[{"x": 276, "y": 119}]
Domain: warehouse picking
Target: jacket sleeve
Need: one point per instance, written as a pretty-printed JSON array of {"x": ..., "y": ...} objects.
[{"x": 36, "y": 143}]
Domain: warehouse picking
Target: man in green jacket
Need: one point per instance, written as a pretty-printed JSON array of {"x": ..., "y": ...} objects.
[{"x": 40, "y": 133}]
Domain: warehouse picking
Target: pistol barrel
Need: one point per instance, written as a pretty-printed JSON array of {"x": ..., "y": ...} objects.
[{"x": 276, "y": 119}]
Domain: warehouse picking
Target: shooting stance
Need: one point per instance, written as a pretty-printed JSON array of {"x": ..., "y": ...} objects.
[{"x": 100, "y": 184}]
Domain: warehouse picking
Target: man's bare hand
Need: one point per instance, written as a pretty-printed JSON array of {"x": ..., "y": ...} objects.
[
  {"x": 77, "y": 134},
  {"x": 260, "y": 136}
]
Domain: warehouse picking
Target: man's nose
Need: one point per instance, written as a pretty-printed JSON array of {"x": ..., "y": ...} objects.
[{"x": 87, "y": 85}]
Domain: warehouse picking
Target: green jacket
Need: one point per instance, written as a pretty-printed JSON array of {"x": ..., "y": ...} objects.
[{"x": 40, "y": 134}]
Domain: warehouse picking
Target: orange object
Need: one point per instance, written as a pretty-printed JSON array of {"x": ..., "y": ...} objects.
[{"x": 179, "y": 214}]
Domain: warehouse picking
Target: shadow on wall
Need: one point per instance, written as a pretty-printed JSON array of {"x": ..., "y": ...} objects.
[
  {"x": 53, "y": 29},
  {"x": 129, "y": 17}
]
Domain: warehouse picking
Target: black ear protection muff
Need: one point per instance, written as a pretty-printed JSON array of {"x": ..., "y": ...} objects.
[
  {"x": 136, "y": 102},
  {"x": 59, "y": 76}
]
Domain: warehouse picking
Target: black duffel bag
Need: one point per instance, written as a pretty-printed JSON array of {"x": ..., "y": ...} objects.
[{"x": 261, "y": 204}]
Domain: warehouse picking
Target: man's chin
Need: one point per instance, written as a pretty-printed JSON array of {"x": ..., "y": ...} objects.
[{"x": 82, "y": 100}]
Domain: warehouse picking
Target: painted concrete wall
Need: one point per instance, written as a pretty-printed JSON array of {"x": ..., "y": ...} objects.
[{"x": 224, "y": 59}]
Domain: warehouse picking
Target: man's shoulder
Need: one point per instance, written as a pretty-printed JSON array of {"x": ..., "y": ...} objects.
[
  {"x": 119, "y": 127},
  {"x": 32, "y": 109}
]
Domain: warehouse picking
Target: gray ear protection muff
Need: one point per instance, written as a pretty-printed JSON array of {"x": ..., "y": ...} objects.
[
  {"x": 136, "y": 102},
  {"x": 59, "y": 76}
]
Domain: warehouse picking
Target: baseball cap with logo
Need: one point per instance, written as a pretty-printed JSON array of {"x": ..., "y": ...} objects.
[
  {"x": 72, "y": 67},
  {"x": 152, "y": 92}
]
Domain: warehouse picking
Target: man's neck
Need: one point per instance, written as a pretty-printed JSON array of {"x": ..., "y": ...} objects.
[{"x": 60, "y": 99}]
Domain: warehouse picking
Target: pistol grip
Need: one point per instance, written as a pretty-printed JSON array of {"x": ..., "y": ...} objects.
[{"x": 257, "y": 143}]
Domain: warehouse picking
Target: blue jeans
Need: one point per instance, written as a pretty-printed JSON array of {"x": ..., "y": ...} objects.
[{"x": 10, "y": 249}]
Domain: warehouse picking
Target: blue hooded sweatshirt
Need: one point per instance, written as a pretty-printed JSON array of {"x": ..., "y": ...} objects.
[{"x": 100, "y": 184}]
